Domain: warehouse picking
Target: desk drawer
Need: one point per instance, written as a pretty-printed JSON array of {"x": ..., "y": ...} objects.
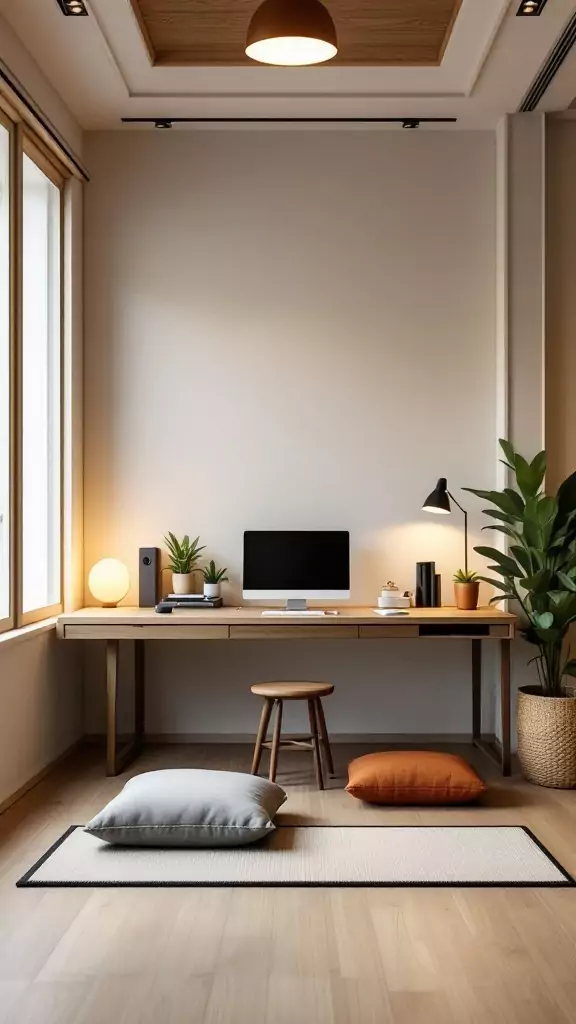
[
  {"x": 291, "y": 632},
  {"x": 390, "y": 631},
  {"x": 126, "y": 631}
]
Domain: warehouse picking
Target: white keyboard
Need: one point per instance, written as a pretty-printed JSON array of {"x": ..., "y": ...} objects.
[{"x": 304, "y": 614}]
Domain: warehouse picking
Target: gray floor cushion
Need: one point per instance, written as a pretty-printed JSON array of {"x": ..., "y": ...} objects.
[{"x": 189, "y": 807}]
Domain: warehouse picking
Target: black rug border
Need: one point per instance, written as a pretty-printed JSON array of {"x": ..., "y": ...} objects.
[{"x": 27, "y": 882}]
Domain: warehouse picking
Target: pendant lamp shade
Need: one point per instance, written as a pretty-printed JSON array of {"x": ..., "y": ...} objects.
[{"x": 291, "y": 33}]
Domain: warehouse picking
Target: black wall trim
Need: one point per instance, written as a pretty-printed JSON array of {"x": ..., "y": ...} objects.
[
  {"x": 288, "y": 120},
  {"x": 551, "y": 66}
]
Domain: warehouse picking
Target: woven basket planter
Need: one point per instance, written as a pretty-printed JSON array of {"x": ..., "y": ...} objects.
[{"x": 547, "y": 738}]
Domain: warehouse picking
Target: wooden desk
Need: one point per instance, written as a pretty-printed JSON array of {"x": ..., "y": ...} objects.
[{"x": 141, "y": 624}]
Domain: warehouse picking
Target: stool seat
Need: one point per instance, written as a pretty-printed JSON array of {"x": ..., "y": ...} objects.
[{"x": 292, "y": 691}]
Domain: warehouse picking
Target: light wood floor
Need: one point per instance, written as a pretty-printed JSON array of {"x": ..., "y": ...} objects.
[{"x": 312, "y": 956}]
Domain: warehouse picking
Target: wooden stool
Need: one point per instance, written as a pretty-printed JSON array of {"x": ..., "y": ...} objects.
[{"x": 274, "y": 694}]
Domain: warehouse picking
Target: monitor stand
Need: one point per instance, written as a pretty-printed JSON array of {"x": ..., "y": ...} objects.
[{"x": 297, "y": 606}]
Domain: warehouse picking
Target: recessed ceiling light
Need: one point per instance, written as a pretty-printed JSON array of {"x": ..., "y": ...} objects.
[
  {"x": 530, "y": 7},
  {"x": 72, "y": 7},
  {"x": 411, "y": 122},
  {"x": 162, "y": 122}
]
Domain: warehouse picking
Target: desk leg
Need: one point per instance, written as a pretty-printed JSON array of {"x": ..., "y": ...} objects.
[
  {"x": 476, "y": 690},
  {"x": 506, "y": 760},
  {"x": 139, "y": 695},
  {"x": 112, "y": 652},
  {"x": 117, "y": 760},
  {"x": 499, "y": 753}
]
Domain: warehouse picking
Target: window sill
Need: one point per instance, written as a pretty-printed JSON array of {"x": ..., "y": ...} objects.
[{"x": 16, "y": 636}]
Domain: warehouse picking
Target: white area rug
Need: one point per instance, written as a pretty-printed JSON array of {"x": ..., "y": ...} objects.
[{"x": 316, "y": 855}]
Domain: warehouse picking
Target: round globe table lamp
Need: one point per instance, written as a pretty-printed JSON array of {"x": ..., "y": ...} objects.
[
  {"x": 438, "y": 501},
  {"x": 109, "y": 582}
]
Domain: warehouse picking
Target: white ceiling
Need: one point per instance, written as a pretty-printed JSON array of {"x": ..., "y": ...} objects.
[{"x": 101, "y": 68}]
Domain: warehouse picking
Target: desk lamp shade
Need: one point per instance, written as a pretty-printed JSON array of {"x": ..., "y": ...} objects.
[
  {"x": 291, "y": 33},
  {"x": 109, "y": 582},
  {"x": 438, "y": 500}
]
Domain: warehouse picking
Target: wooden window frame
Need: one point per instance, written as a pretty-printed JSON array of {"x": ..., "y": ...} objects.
[{"x": 24, "y": 142}]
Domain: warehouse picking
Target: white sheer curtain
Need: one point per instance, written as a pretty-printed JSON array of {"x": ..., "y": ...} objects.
[
  {"x": 4, "y": 373},
  {"x": 41, "y": 498}
]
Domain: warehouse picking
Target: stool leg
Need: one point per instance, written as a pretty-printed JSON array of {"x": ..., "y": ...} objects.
[
  {"x": 315, "y": 743},
  {"x": 324, "y": 736},
  {"x": 262, "y": 731},
  {"x": 275, "y": 741}
]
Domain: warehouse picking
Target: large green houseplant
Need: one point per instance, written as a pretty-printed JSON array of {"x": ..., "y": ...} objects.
[{"x": 538, "y": 570}]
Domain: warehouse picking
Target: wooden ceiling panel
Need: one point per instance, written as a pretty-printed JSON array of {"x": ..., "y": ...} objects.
[{"x": 370, "y": 32}]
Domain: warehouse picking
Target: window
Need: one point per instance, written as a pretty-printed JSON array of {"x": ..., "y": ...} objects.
[
  {"x": 31, "y": 240},
  {"x": 5, "y": 378},
  {"x": 40, "y": 404}
]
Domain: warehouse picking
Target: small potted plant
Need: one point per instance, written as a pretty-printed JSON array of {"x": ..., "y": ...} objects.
[
  {"x": 466, "y": 589},
  {"x": 213, "y": 578},
  {"x": 184, "y": 554}
]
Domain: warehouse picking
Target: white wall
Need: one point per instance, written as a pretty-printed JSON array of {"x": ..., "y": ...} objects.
[
  {"x": 561, "y": 299},
  {"x": 291, "y": 330},
  {"x": 23, "y": 67},
  {"x": 41, "y": 701}
]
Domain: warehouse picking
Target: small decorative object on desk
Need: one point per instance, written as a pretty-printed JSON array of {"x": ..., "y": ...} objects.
[
  {"x": 392, "y": 598},
  {"x": 466, "y": 589},
  {"x": 184, "y": 554},
  {"x": 213, "y": 578}
]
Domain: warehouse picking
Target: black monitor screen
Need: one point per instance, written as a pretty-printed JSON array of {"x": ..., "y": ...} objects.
[{"x": 296, "y": 560}]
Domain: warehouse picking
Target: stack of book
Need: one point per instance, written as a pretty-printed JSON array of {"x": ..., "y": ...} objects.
[{"x": 187, "y": 601}]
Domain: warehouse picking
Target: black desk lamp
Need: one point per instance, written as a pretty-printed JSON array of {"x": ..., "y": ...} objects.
[{"x": 439, "y": 501}]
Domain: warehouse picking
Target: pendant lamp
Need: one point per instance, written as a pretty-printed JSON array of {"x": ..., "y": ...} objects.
[{"x": 291, "y": 33}]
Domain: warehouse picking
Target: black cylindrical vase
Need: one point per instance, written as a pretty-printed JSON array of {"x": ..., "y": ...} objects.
[
  {"x": 425, "y": 584},
  {"x": 437, "y": 590}
]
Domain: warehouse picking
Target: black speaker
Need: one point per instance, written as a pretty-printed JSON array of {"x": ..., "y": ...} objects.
[
  {"x": 149, "y": 577},
  {"x": 425, "y": 579}
]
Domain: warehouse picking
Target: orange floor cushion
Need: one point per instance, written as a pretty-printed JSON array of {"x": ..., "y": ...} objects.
[{"x": 413, "y": 777}]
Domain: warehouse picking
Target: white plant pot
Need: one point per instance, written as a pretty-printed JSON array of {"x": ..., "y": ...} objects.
[
  {"x": 182, "y": 582},
  {"x": 212, "y": 590}
]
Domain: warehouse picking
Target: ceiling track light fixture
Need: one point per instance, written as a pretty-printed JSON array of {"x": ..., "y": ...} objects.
[
  {"x": 291, "y": 33},
  {"x": 72, "y": 7},
  {"x": 530, "y": 7},
  {"x": 405, "y": 122}
]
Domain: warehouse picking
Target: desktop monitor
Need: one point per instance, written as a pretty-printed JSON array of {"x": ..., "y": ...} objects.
[{"x": 295, "y": 565}]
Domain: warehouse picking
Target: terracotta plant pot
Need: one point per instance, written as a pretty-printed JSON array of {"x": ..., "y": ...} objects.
[
  {"x": 466, "y": 595},
  {"x": 547, "y": 738}
]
